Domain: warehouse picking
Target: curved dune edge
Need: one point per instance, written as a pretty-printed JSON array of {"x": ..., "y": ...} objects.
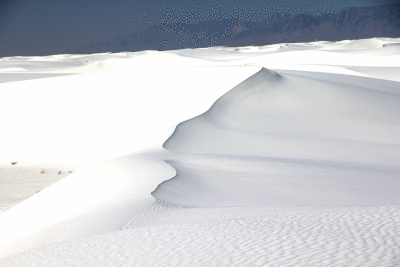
[{"x": 276, "y": 136}]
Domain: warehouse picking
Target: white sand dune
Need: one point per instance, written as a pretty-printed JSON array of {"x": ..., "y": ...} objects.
[
  {"x": 268, "y": 110},
  {"x": 284, "y": 155}
]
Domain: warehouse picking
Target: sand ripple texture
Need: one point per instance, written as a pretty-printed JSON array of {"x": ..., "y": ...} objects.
[{"x": 236, "y": 236}]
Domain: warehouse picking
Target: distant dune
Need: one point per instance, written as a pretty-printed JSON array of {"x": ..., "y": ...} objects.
[{"x": 350, "y": 23}]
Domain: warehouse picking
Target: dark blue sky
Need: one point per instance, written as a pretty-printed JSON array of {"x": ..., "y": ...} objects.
[{"x": 29, "y": 27}]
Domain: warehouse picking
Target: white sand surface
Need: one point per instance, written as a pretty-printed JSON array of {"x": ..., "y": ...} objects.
[
  {"x": 232, "y": 236},
  {"x": 282, "y": 155},
  {"x": 19, "y": 183}
]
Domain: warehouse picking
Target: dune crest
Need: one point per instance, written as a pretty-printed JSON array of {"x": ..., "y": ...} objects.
[
  {"x": 279, "y": 134},
  {"x": 293, "y": 115}
]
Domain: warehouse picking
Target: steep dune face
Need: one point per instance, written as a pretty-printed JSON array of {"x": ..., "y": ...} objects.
[
  {"x": 276, "y": 136},
  {"x": 295, "y": 116},
  {"x": 222, "y": 181}
]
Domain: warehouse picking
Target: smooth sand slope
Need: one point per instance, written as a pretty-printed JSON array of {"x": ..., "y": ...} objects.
[{"x": 283, "y": 155}]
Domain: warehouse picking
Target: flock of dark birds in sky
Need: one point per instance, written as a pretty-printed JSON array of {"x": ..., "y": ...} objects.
[{"x": 45, "y": 27}]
